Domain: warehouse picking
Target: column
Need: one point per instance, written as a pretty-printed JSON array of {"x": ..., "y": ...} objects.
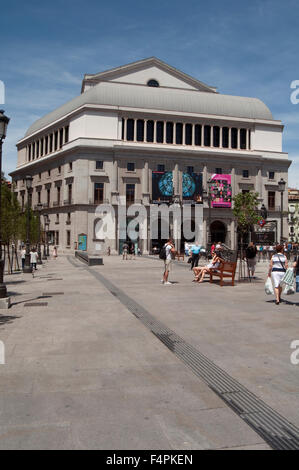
[
  {"x": 145, "y": 184},
  {"x": 155, "y": 132},
  {"x": 212, "y": 136},
  {"x": 204, "y": 177},
  {"x": 229, "y": 138},
  {"x": 125, "y": 128},
  {"x": 176, "y": 192},
  {"x": 238, "y": 138},
  {"x": 202, "y": 135},
  {"x": 233, "y": 235},
  {"x": 135, "y": 130},
  {"x": 184, "y": 134},
  {"x": 220, "y": 137},
  {"x": 193, "y": 135}
]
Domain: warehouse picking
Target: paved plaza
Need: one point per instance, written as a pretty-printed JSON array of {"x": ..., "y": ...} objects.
[{"x": 82, "y": 371}]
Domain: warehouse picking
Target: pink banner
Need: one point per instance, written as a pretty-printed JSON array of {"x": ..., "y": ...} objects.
[{"x": 221, "y": 191}]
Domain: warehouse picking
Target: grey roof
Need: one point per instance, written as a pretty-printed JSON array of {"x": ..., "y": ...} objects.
[{"x": 165, "y": 99}]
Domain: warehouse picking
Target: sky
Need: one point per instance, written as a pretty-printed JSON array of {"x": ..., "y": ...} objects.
[{"x": 243, "y": 48}]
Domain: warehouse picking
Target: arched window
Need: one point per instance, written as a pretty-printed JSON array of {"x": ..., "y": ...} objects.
[{"x": 153, "y": 83}]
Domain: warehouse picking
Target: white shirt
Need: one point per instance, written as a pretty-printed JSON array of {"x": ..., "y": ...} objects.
[
  {"x": 168, "y": 251},
  {"x": 23, "y": 254},
  {"x": 33, "y": 256}
]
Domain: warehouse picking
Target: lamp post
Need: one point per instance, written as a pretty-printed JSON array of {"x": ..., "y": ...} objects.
[
  {"x": 281, "y": 189},
  {"x": 47, "y": 223},
  {"x": 39, "y": 207},
  {"x": 4, "y": 120},
  {"x": 27, "y": 266},
  {"x": 45, "y": 237},
  {"x": 210, "y": 183}
]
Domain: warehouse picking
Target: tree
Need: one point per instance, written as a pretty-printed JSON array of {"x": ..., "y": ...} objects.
[{"x": 246, "y": 213}]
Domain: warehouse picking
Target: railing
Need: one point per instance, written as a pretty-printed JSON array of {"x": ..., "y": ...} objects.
[
  {"x": 274, "y": 209},
  {"x": 94, "y": 202},
  {"x": 68, "y": 202},
  {"x": 56, "y": 203}
]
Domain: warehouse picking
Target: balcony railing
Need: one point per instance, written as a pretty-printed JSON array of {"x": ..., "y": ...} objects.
[
  {"x": 274, "y": 209},
  {"x": 68, "y": 202},
  {"x": 94, "y": 202}
]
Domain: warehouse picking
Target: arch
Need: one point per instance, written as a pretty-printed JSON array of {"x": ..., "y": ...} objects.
[
  {"x": 153, "y": 83},
  {"x": 218, "y": 231}
]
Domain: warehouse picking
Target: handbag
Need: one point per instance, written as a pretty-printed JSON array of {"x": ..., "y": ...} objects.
[
  {"x": 269, "y": 287},
  {"x": 288, "y": 278},
  {"x": 289, "y": 290}
]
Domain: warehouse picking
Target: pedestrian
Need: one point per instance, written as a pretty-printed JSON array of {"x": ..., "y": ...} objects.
[
  {"x": 132, "y": 251},
  {"x": 125, "y": 251},
  {"x": 23, "y": 256},
  {"x": 296, "y": 271},
  {"x": 54, "y": 253},
  {"x": 108, "y": 251},
  {"x": 33, "y": 258},
  {"x": 167, "y": 254},
  {"x": 277, "y": 268},
  {"x": 250, "y": 253},
  {"x": 195, "y": 250}
]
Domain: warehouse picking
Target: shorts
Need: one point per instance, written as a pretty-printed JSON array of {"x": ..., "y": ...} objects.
[
  {"x": 167, "y": 264},
  {"x": 251, "y": 263},
  {"x": 277, "y": 277}
]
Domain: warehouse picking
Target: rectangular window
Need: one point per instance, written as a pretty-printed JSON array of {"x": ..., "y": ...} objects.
[
  {"x": 56, "y": 140},
  {"x": 243, "y": 142},
  {"x": 39, "y": 176},
  {"x": 216, "y": 136},
  {"x": 161, "y": 168},
  {"x": 37, "y": 149},
  {"x": 271, "y": 199},
  {"x": 140, "y": 130},
  {"x": 33, "y": 151},
  {"x": 245, "y": 174},
  {"x": 57, "y": 218},
  {"x": 57, "y": 237},
  {"x": 60, "y": 138},
  {"x": 179, "y": 133},
  {"x": 197, "y": 134},
  {"x": 225, "y": 133},
  {"x": 70, "y": 193},
  {"x": 59, "y": 170},
  {"x": 70, "y": 166},
  {"x": 130, "y": 194},
  {"x": 41, "y": 147},
  {"x": 49, "y": 172},
  {"x": 98, "y": 193},
  {"x": 160, "y": 132},
  {"x": 234, "y": 137},
  {"x": 188, "y": 134},
  {"x": 169, "y": 132},
  {"x": 207, "y": 136},
  {"x": 48, "y": 197},
  {"x": 271, "y": 175},
  {"x": 99, "y": 165},
  {"x": 68, "y": 238},
  {"x": 130, "y": 166},
  {"x": 58, "y": 195},
  {"x": 130, "y": 129},
  {"x": 150, "y": 131},
  {"x": 38, "y": 197},
  {"x": 46, "y": 145},
  {"x": 29, "y": 152},
  {"x": 51, "y": 143},
  {"x": 66, "y": 134}
]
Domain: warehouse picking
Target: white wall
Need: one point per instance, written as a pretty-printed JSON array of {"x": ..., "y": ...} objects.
[
  {"x": 267, "y": 138},
  {"x": 93, "y": 124}
]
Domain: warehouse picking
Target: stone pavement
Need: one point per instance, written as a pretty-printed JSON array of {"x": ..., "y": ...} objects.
[{"x": 82, "y": 372}]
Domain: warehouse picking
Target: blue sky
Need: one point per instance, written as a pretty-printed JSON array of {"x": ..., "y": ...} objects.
[{"x": 246, "y": 49}]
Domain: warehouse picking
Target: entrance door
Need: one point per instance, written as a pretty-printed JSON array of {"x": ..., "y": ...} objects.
[{"x": 218, "y": 232}]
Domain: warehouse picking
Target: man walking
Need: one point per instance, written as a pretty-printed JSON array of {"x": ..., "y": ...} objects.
[{"x": 195, "y": 250}]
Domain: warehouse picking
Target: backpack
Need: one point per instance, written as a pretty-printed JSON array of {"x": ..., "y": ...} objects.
[{"x": 162, "y": 254}]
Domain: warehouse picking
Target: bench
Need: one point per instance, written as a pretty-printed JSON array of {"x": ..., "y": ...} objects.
[
  {"x": 226, "y": 269},
  {"x": 179, "y": 256}
]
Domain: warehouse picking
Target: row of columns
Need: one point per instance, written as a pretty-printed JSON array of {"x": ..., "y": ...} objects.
[
  {"x": 46, "y": 144},
  {"x": 145, "y": 136}
]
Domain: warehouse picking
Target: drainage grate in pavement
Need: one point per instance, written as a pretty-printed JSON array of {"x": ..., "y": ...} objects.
[
  {"x": 36, "y": 304},
  {"x": 53, "y": 293},
  {"x": 277, "y": 431},
  {"x": 56, "y": 279}
]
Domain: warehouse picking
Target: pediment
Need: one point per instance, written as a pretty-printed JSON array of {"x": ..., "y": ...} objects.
[{"x": 139, "y": 73}]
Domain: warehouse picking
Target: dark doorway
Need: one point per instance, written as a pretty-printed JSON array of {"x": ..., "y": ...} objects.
[{"x": 218, "y": 232}]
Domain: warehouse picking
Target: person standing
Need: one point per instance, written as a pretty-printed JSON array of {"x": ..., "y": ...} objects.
[
  {"x": 251, "y": 252},
  {"x": 195, "y": 250},
  {"x": 277, "y": 268},
  {"x": 23, "y": 256},
  {"x": 54, "y": 252},
  {"x": 33, "y": 258},
  {"x": 169, "y": 254},
  {"x": 125, "y": 251},
  {"x": 296, "y": 271}
]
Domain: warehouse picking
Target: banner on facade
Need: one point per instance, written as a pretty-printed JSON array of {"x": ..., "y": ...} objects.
[
  {"x": 192, "y": 188},
  {"x": 162, "y": 187},
  {"x": 221, "y": 191}
]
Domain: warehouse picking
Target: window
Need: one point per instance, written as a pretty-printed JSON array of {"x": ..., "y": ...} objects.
[
  {"x": 130, "y": 194},
  {"x": 48, "y": 197},
  {"x": 70, "y": 193},
  {"x": 160, "y": 132},
  {"x": 130, "y": 129},
  {"x": 58, "y": 195},
  {"x": 38, "y": 197},
  {"x": 130, "y": 166},
  {"x": 218, "y": 171},
  {"x": 271, "y": 175},
  {"x": 33, "y": 151},
  {"x": 153, "y": 83},
  {"x": 66, "y": 134},
  {"x": 234, "y": 134},
  {"x": 29, "y": 152},
  {"x": 60, "y": 138},
  {"x": 56, "y": 140},
  {"x": 243, "y": 141},
  {"x": 271, "y": 199},
  {"x": 150, "y": 131},
  {"x": 57, "y": 237},
  {"x": 245, "y": 191},
  {"x": 190, "y": 170},
  {"x": 57, "y": 218},
  {"x": 68, "y": 220},
  {"x": 68, "y": 238},
  {"x": 197, "y": 134},
  {"x": 37, "y": 149},
  {"x": 140, "y": 130},
  {"x": 225, "y": 132},
  {"x": 23, "y": 201},
  {"x": 161, "y": 168},
  {"x": 98, "y": 193},
  {"x": 188, "y": 134},
  {"x": 39, "y": 176},
  {"x": 51, "y": 143},
  {"x": 245, "y": 174},
  {"x": 169, "y": 132},
  {"x": 70, "y": 166},
  {"x": 99, "y": 165},
  {"x": 46, "y": 145},
  {"x": 49, "y": 173},
  {"x": 59, "y": 170},
  {"x": 207, "y": 136},
  {"x": 179, "y": 133},
  {"x": 216, "y": 136},
  {"x": 41, "y": 147}
]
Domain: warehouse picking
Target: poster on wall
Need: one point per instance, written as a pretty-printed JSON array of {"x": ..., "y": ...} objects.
[
  {"x": 192, "y": 188},
  {"x": 221, "y": 191},
  {"x": 162, "y": 187}
]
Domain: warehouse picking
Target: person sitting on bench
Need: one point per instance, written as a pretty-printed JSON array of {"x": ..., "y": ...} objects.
[{"x": 214, "y": 264}]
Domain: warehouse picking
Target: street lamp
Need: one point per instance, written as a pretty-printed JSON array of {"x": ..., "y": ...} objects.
[
  {"x": 4, "y": 120},
  {"x": 47, "y": 223},
  {"x": 281, "y": 189},
  {"x": 27, "y": 266},
  {"x": 39, "y": 207}
]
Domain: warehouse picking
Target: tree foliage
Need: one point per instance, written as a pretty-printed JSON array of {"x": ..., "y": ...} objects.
[{"x": 246, "y": 211}]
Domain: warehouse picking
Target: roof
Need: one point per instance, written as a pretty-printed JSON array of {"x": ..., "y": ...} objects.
[{"x": 165, "y": 99}]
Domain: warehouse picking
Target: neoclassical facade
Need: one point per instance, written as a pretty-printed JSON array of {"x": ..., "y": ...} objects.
[{"x": 142, "y": 128}]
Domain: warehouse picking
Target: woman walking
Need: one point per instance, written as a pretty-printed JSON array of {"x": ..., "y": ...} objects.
[
  {"x": 296, "y": 272},
  {"x": 277, "y": 269}
]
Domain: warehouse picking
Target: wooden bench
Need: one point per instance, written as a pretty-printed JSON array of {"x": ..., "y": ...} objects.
[
  {"x": 226, "y": 269},
  {"x": 179, "y": 256}
]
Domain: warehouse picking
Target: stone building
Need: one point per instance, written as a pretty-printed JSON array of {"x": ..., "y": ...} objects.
[
  {"x": 293, "y": 215},
  {"x": 137, "y": 129}
]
